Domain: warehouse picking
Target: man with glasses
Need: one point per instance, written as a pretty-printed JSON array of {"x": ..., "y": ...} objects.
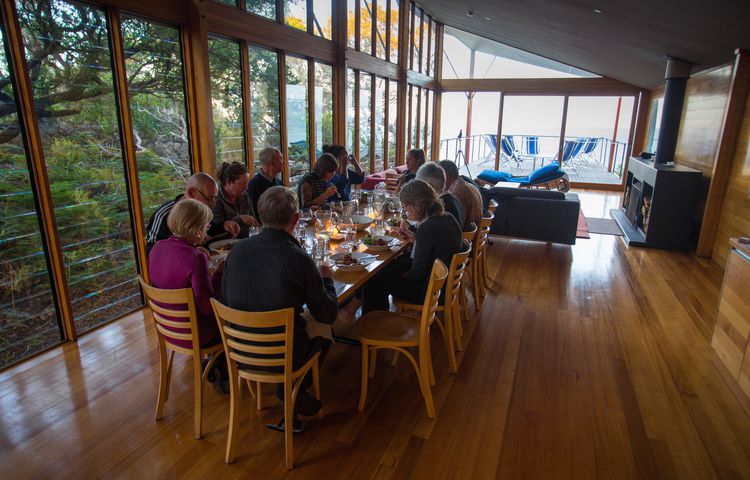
[{"x": 200, "y": 187}]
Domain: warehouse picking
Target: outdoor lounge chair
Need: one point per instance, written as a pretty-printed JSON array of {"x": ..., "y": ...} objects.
[
  {"x": 548, "y": 177},
  {"x": 508, "y": 149}
]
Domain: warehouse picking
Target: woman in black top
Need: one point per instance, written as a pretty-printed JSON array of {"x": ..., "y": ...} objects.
[
  {"x": 233, "y": 210},
  {"x": 313, "y": 188},
  {"x": 437, "y": 235}
]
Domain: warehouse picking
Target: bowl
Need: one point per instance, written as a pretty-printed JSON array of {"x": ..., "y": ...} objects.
[
  {"x": 360, "y": 222},
  {"x": 362, "y": 260},
  {"x": 375, "y": 240},
  {"x": 222, "y": 247}
]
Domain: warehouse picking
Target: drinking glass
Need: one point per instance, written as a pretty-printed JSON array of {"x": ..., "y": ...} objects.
[{"x": 325, "y": 219}]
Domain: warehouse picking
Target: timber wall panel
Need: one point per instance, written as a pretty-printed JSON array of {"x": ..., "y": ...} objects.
[{"x": 735, "y": 213}]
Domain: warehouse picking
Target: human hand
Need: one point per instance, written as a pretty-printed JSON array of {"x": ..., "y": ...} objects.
[
  {"x": 248, "y": 220},
  {"x": 407, "y": 234},
  {"x": 232, "y": 227},
  {"x": 330, "y": 191},
  {"x": 325, "y": 271}
]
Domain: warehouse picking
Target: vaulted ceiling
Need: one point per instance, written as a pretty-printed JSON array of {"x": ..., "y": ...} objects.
[{"x": 627, "y": 40}]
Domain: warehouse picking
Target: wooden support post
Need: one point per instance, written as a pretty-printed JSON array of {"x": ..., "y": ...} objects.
[
  {"x": 246, "y": 112},
  {"x": 198, "y": 89},
  {"x": 282, "y": 119},
  {"x": 311, "y": 135},
  {"x": 730, "y": 130},
  {"x": 560, "y": 148},
  {"x": 614, "y": 136},
  {"x": 498, "y": 146},
  {"x": 339, "y": 73},
  {"x": 403, "y": 61}
]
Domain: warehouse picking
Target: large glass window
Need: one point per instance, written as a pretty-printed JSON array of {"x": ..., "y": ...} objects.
[
  {"x": 414, "y": 117},
  {"x": 425, "y": 40},
  {"x": 597, "y": 130},
  {"x": 28, "y": 322},
  {"x": 323, "y": 107},
  {"x": 351, "y": 22},
  {"x": 392, "y": 123},
  {"x": 295, "y": 13},
  {"x": 466, "y": 55},
  {"x": 427, "y": 127},
  {"x": 452, "y": 126},
  {"x": 365, "y": 119},
  {"x": 226, "y": 99},
  {"x": 297, "y": 117},
  {"x": 485, "y": 107},
  {"x": 380, "y": 29},
  {"x": 264, "y": 8},
  {"x": 265, "y": 112},
  {"x": 67, "y": 46},
  {"x": 153, "y": 62},
  {"x": 322, "y": 26},
  {"x": 365, "y": 26},
  {"x": 351, "y": 110},
  {"x": 530, "y": 116},
  {"x": 380, "y": 124},
  {"x": 394, "y": 31}
]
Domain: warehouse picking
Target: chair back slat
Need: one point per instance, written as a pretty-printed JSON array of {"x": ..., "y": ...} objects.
[
  {"x": 391, "y": 181},
  {"x": 240, "y": 352},
  {"x": 455, "y": 272},
  {"x": 261, "y": 349},
  {"x": 470, "y": 234},
  {"x": 481, "y": 239},
  {"x": 251, "y": 362},
  {"x": 432, "y": 297},
  {"x": 157, "y": 298},
  {"x": 255, "y": 337}
]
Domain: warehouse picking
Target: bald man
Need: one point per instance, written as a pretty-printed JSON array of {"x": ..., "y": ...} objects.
[{"x": 201, "y": 187}]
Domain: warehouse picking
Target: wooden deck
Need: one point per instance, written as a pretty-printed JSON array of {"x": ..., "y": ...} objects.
[
  {"x": 582, "y": 171},
  {"x": 591, "y": 361}
]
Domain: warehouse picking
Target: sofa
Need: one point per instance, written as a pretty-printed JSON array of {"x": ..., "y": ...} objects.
[
  {"x": 372, "y": 180},
  {"x": 544, "y": 215}
]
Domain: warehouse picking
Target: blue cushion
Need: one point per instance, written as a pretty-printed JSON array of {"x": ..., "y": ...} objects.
[
  {"x": 493, "y": 176},
  {"x": 550, "y": 170}
]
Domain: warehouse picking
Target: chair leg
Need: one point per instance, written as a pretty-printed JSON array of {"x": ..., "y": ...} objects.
[
  {"x": 163, "y": 380},
  {"x": 198, "y": 387},
  {"x": 457, "y": 318},
  {"x": 365, "y": 373},
  {"x": 259, "y": 395},
  {"x": 288, "y": 425},
  {"x": 235, "y": 401},
  {"x": 394, "y": 359},
  {"x": 448, "y": 337},
  {"x": 475, "y": 285},
  {"x": 373, "y": 362},
  {"x": 425, "y": 367},
  {"x": 169, "y": 374},
  {"x": 316, "y": 384},
  {"x": 430, "y": 369}
]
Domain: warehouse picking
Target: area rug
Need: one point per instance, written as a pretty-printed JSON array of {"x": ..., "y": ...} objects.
[
  {"x": 604, "y": 226},
  {"x": 582, "y": 231}
]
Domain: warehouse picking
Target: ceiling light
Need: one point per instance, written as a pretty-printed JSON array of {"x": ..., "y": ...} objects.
[
  {"x": 487, "y": 18},
  {"x": 596, "y": 10},
  {"x": 469, "y": 13}
]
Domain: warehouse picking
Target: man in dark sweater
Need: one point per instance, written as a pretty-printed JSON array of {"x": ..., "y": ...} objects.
[
  {"x": 271, "y": 271},
  {"x": 199, "y": 187},
  {"x": 435, "y": 177},
  {"x": 270, "y": 167}
]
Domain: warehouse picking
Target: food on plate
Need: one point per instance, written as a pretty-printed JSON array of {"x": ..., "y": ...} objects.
[
  {"x": 371, "y": 241},
  {"x": 347, "y": 259},
  {"x": 393, "y": 222},
  {"x": 224, "y": 248}
]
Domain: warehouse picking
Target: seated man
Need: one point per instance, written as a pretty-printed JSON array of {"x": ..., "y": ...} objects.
[
  {"x": 467, "y": 194},
  {"x": 270, "y": 271},
  {"x": 435, "y": 177},
  {"x": 345, "y": 177},
  {"x": 199, "y": 187},
  {"x": 270, "y": 167}
]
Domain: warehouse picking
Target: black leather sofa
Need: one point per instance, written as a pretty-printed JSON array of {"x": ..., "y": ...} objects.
[{"x": 545, "y": 215}]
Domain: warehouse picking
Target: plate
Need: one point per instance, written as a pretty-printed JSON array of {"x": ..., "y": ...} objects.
[
  {"x": 390, "y": 242},
  {"x": 363, "y": 260},
  {"x": 335, "y": 236},
  {"x": 360, "y": 222},
  {"x": 222, "y": 247}
]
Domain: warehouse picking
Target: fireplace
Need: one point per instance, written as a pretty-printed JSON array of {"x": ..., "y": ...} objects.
[{"x": 659, "y": 204}]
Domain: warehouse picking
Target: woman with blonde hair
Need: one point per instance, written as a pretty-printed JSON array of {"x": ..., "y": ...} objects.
[{"x": 178, "y": 262}]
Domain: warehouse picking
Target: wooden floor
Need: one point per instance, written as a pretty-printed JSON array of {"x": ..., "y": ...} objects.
[{"x": 590, "y": 361}]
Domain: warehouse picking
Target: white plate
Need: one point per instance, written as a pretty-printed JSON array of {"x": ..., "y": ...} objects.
[
  {"x": 220, "y": 246},
  {"x": 363, "y": 259},
  {"x": 360, "y": 222},
  {"x": 392, "y": 242}
]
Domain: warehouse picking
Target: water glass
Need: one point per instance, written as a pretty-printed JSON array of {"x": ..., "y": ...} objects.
[{"x": 252, "y": 230}]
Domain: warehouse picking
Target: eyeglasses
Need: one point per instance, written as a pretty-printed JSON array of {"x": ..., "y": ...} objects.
[{"x": 206, "y": 197}]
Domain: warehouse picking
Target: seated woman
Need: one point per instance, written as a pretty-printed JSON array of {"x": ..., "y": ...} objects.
[
  {"x": 233, "y": 210},
  {"x": 314, "y": 189},
  {"x": 436, "y": 236},
  {"x": 414, "y": 159},
  {"x": 345, "y": 177},
  {"x": 177, "y": 262}
]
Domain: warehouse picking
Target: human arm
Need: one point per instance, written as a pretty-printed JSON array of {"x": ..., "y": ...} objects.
[
  {"x": 221, "y": 222},
  {"x": 307, "y": 194},
  {"x": 355, "y": 163},
  {"x": 320, "y": 293},
  {"x": 424, "y": 253}
]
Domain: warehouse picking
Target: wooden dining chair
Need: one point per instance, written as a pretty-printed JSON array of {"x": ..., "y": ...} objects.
[
  {"x": 250, "y": 361},
  {"x": 388, "y": 330},
  {"x": 479, "y": 281},
  {"x": 469, "y": 237},
  {"x": 166, "y": 319},
  {"x": 450, "y": 324},
  {"x": 391, "y": 181}
]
